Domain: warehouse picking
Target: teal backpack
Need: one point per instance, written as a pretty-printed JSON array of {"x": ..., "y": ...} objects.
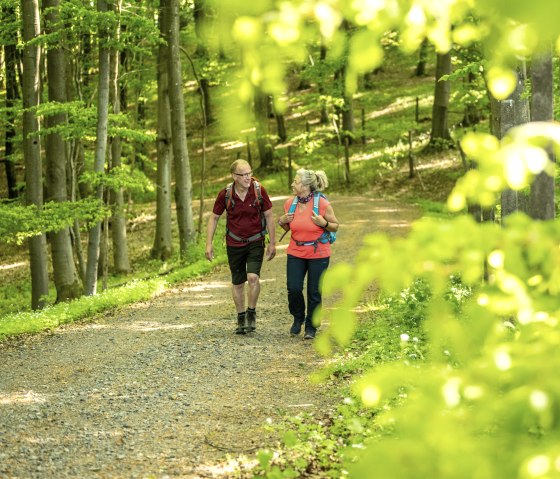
[{"x": 327, "y": 236}]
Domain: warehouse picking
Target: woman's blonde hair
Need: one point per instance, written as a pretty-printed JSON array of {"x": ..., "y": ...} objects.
[{"x": 316, "y": 180}]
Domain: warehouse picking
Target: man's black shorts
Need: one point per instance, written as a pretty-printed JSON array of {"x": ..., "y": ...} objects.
[{"x": 245, "y": 259}]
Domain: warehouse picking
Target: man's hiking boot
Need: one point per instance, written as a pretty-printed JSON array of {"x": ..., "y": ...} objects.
[
  {"x": 251, "y": 316},
  {"x": 242, "y": 324}
]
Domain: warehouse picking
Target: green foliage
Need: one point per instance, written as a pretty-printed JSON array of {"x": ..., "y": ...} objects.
[
  {"x": 88, "y": 307},
  {"x": 22, "y": 222}
]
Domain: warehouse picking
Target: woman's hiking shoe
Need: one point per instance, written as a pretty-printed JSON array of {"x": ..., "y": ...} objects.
[
  {"x": 251, "y": 316},
  {"x": 309, "y": 335},
  {"x": 296, "y": 328}
]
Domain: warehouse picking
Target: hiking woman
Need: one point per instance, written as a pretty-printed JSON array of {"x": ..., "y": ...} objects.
[{"x": 307, "y": 254}]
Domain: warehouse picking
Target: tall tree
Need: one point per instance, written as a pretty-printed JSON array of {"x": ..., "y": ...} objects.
[
  {"x": 116, "y": 197},
  {"x": 506, "y": 114},
  {"x": 66, "y": 280},
  {"x": 12, "y": 96},
  {"x": 440, "y": 135},
  {"x": 163, "y": 247},
  {"x": 541, "y": 200},
  {"x": 100, "y": 147},
  {"x": 183, "y": 182},
  {"x": 264, "y": 143},
  {"x": 32, "y": 147}
]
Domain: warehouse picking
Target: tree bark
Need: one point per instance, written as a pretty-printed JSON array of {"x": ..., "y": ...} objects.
[
  {"x": 541, "y": 202},
  {"x": 505, "y": 115},
  {"x": 163, "y": 246},
  {"x": 32, "y": 148},
  {"x": 422, "y": 58},
  {"x": 100, "y": 151},
  {"x": 183, "y": 182},
  {"x": 440, "y": 135},
  {"x": 264, "y": 145},
  {"x": 12, "y": 95},
  {"x": 116, "y": 197},
  {"x": 65, "y": 275}
]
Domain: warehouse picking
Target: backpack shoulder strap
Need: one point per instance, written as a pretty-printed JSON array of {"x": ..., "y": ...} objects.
[
  {"x": 258, "y": 194},
  {"x": 316, "y": 197},
  {"x": 293, "y": 206},
  {"x": 229, "y": 197}
]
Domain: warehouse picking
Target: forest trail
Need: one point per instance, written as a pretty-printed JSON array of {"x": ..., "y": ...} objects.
[{"x": 164, "y": 389}]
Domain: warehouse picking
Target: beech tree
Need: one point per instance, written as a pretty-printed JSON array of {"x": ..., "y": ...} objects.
[
  {"x": 32, "y": 147},
  {"x": 440, "y": 135},
  {"x": 541, "y": 200},
  {"x": 11, "y": 61},
  {"x": 66, "y": 280},
  {"x": 163, "y": 247},
  {"x": 183, "y": 182},
  {"x": 94, "y": 237},
  {"x": 116, "y": 197}
]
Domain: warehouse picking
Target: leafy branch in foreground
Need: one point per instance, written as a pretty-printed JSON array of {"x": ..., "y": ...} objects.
[{"x": 22, "y": 222}]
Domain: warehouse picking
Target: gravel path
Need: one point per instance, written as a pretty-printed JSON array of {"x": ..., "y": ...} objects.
[{"x": 164, "y": 389}]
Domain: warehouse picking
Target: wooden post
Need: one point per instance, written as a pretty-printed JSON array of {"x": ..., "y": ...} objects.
[
  {"x": 238, "y": 155},
  {"x": 417, "y": 110},
  {"x": 347, "y": 159},
  {"x": 307, "y": 127},
  {"x": 289, "y": 166},
  {"x": 363, "y": 126},
  {"x": 248, "y": 150},
  {"x": 410, "y": 157}
]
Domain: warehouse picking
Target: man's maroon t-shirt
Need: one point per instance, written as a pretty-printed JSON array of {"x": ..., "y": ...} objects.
[{"x": 245, "y": 219}]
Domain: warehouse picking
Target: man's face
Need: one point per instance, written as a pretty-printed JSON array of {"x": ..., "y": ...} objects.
[{"x": 242, "y": 177}]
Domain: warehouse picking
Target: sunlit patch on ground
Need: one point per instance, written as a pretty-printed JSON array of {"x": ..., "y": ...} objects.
[
  {"x": 13, "y": 265},
  {"x": 28, "y": 397},
  {"x": 155, "y": 326}
]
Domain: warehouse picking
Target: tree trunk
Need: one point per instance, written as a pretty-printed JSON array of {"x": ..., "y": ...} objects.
[
  {"x": 200, "y": 19},
  {"x": 422, "y": 58},
  {"x": 116, "y": 197},
  {"x": 32, "y": 148},
  {"x": 505, "y": 115},
  {"x": 264, "y": 145},
  {"x": 12, "y": 95},
  {"x": 440, "y": 136},
  {"x": 472, "y": 115},
  {"x": 66, "y": 278},
  {"x": 100, "y": 150},
  {"x": 208, "y": 111},
  {"x": 183, "y": 182},
  {"x": 163, "y": 246},
  {"x": 541, "y": 203}
]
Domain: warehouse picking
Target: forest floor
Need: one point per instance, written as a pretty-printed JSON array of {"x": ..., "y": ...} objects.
[{"x": 165, "y": 389}]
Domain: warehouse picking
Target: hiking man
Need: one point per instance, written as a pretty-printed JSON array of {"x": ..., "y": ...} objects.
[{"x": 249, "y": 217}]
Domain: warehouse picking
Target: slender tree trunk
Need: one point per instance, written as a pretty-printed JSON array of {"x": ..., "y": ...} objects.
[
  {"x": 32, "y": 148},
  {"x": 66, "y": 278},
  {"x": 440, "y": 135},
  {"x": 12, "y": 95},
  {"x": 183, "y": 182},
  {"x": 422, "y": 58},
  {"x": 200, "y": 20},
  {"x": 541, "y": 203},
  {"x": 266, "y": 150},
  {"x": 116, "y": 196},
  {"x": 163, "y": 246},
  {"x": 100, "y": 151},
  {"x": 505, "y": 115}
]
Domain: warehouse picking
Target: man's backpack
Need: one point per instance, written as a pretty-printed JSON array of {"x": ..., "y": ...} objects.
[
  {"x": 327, "y": 236},
  {"x": 230, "y": 204}
]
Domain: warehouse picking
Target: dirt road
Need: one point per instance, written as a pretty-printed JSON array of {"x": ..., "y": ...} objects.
[{"x": 164, "y": 388}]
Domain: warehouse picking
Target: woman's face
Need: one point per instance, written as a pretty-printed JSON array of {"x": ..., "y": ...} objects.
[{"x": 298, "y": 188}]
